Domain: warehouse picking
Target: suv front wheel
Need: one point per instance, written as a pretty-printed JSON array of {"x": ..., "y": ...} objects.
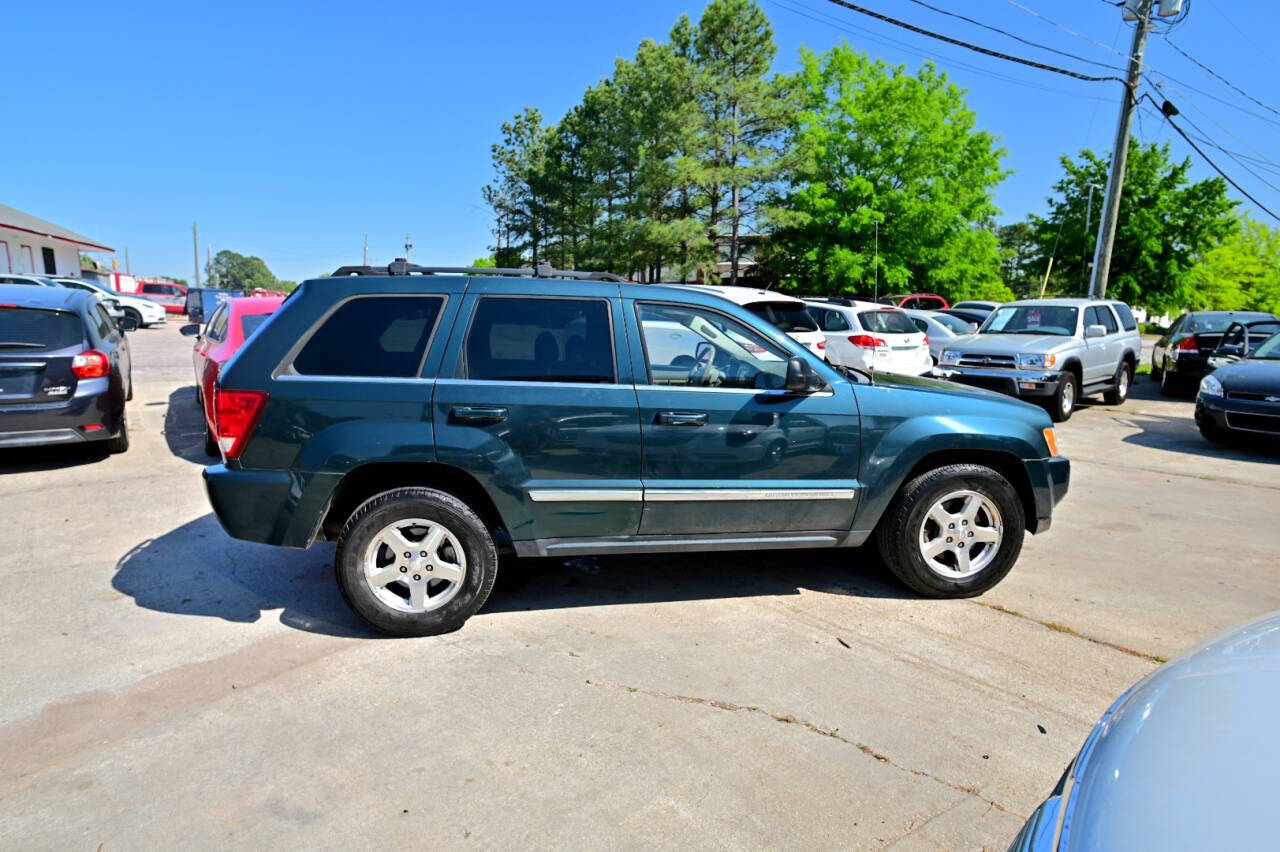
[
  {"x": 1063, "y": 403},
  {"x": 953, "y": 532},
  {"x": 415, "y": 562}
]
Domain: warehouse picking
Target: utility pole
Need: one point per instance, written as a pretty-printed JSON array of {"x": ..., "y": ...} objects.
[
  {"x": 875, "y": 290},
  {"x": 408, "y": 244},
  {"x": 195, "y": 250},
  {"x": 1120, "y": 153},
  {"x": 128, "y": 270},
  {"x": 366, "y": 248},
  {"x": 1088, "y": 219},
  {"x": 208, "y": 253}
]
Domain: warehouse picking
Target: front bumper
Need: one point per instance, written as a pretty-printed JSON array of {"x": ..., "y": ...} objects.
[
  {"x": 1237, "y": 415},
  {"x": 1022, "y": 383},
  {"x": 1050, "y": 480},
  {"x": 95, "y": 403}
]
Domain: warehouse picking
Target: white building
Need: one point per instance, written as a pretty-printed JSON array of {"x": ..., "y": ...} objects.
[{"x": 29, "y": 244}]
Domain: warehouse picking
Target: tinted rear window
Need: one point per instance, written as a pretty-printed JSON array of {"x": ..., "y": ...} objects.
[
  {"x": 888, "y": 322},
  {"x": 1126, "y": 316},
  {"x": 377, "y": 336},
  {"x": 784, "y": 316},
  {"x": 34, "y": 329},
  {"x": 540, "y": 340},
  {"x": 955, "y": 324},
  {"x": 249, "y": 323}
]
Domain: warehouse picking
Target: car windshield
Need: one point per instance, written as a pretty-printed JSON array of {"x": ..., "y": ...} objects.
[
  {"x": 785, "y": 316},
  {"x": 29, "y": 328},
  {"x": 951, "y": 323},
  {"x": 1216, "y": 322},
  {"x": 1032, "y": 319},
  {"x": 249, "y": 323},
  {"x": 887, "y": 322},
  {"x": 1269, "y": 350}
]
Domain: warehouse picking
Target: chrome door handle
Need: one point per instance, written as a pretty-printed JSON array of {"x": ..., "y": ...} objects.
[
  {"x": 681, "y": 418},
  {"x": 478, "y": 415}
]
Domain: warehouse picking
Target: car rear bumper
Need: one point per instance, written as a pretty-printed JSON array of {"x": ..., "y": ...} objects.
[
  {"x": 1022, "y": 383},
  {"x": 70, "y": 421},
  {"x": 1188, "y": 365},
  {"x": 269, "y": 506},
  {"x": 1050, "y": 480}
]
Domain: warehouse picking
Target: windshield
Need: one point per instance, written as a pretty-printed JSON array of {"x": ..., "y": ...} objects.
[
  {"x": 1031, "y": 319},
  {"x": 249, "y": 323},
  {"x": 951, "y": 323},
  {"x": 785, "y": 316},
  {"x": 887, "y": 322},
  {"x": 1270, "y": 350},
  {"x": 1217, "y": 322},
  {"x": 29, "y": 328}
]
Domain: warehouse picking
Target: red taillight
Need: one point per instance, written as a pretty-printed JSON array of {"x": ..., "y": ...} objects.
[
  {"x": 1188, "y": 344},
  {"x": 866, "y": 341},
  {"x": 822, "y": 344},
  {"x": 926, "y": 340},
  {"x": 90, "y": 365},
  {"x": 235, "y": 414}
]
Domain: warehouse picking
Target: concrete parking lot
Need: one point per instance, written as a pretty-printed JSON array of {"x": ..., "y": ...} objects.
[{"x": 166, "y": 686}]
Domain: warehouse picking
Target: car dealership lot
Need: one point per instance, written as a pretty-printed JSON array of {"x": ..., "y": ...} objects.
[{"x": 169, "y": 685}]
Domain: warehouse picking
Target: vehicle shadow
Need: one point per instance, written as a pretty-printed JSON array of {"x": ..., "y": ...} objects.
[
  {"x": 53, "y": 457},
  {"x": 1180, "y": 435},
  {"x": 184, "y": 426},
  {"x": 197, "y": 569}
]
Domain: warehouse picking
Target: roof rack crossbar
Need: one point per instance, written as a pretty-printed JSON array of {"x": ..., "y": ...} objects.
[{"x": 400, "y": 266}]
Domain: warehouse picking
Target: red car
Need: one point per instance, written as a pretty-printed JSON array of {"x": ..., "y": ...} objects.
[
  {"x": 172, "y": 296},
  {"x": 916, "y": 301},
  {"x": 226, "y": 331}
]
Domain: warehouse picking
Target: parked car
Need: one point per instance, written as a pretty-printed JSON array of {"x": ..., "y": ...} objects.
[
  {"x": 785, "y": 313},
  {"x": 112, "y": 307},
  {"x": 143, "y": 312},
  {"x": 1180, "y": 357},
  {"x": 941, "y": 329},
  {"x": 231, "y": 323},
  {"x": 1242, "y": 396},
  {"x": 422, "y": 420},
  {"x": 1184, "y": 759},
  {"x": 915, "y": 301},
  {"x": 1052, "y": 351},
  {"x": 976, "y": 305},
  {"x": 967, "y": 315},
  {"x": 868, "y": 336},
  {"x": 173, "y": 297},
  {"x": 65, "y": 369}
]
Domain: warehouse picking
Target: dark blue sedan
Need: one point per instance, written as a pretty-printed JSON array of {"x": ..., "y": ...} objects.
[{"x": 1242, "y": 396}]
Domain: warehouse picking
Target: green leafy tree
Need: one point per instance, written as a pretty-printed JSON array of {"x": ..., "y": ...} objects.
[
  {"x": 881, "y": 149},
  {"x": 517, "y": 197},
  {"x": 232, "y": 270},
  {"x": 1018, "y": 256},
  {"x": 1240, "y": 273},
  {"x": 1166, "y": 223}
]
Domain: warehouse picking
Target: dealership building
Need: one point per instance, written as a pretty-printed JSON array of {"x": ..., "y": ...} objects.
[{"x": 31, "y": 244}]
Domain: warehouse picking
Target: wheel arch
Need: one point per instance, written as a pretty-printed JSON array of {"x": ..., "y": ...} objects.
[{"x": 373, "y": 478}]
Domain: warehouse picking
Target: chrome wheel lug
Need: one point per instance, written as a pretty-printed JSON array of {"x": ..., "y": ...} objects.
[
  {"x": 403, "y": 570},
  {"x": 417, "y": 576},
  {"x": 408, "y": 555}
]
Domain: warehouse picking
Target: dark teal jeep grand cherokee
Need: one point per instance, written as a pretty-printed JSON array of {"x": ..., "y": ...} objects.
[{"x": 424, "y": 418}]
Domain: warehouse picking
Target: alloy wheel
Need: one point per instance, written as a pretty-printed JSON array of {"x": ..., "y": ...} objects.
[
  {"x": 415, "y": 565},
  {"x": 960, "y": 534}
]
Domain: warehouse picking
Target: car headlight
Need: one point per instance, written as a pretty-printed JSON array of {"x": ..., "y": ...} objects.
[
  {"x": 949, "y": 357},
  {"x": 1036, "y": 361},
  {"x": 1210, "y": 386}
]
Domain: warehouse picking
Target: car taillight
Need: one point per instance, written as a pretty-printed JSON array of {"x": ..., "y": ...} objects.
[
  {"x": 822, "y": 344},
  {"x": 866, "y": 341},
  {"x": 235, "y": 414},
  {"x": 1188, "y": 344},
  {"x": 926, "y": 340},
  {"x": 91, "y": 364}
]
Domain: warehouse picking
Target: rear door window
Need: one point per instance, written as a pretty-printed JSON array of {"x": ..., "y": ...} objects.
[
  {"x": 525, "y": 339},
  {"x": 31, "y": 329},
  {"x": 831, "y": 320},
  {"x": 1108, "y": 321},
  {"x": 372, "y": 336}
]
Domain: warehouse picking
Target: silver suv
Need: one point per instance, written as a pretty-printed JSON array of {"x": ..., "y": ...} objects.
[{"x": 1051, "y": 351}]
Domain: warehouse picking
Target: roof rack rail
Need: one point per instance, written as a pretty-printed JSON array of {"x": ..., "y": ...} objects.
[{"x": 400, "y": 266}]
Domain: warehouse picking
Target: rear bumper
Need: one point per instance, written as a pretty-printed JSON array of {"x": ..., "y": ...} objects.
[
  {"x": 1188, "y": 365},
  {"x": 1021, "y": 383},
  {"x": 34, "y": 424},
  {"x": 269, "y": 506},
  {"x": 1050, "y": 480}
]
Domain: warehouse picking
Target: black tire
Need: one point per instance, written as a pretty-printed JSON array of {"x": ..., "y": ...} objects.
[
  {"x": 1063, "y": 403},
  {"x": 899, "y": 531},
  {"x": 1123, "y": 381},
  {"x": 1211, "y": 432},
  {"x": 128, "y": 397},
  {"x": 1170, "y": 385},
  {"x": 120, "y": 443},
  {"x": 210, "y": 445},
  {"x": 375, "y": 514},
  {"x": 132, "y": 313},
  {"x": 1156, "y": 372}
]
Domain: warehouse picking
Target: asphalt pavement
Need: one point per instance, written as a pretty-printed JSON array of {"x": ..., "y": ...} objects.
[{"x": 166, "y": 686}]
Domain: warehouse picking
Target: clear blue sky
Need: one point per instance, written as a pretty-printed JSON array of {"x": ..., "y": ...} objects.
[{"x": 289, "y": 129}]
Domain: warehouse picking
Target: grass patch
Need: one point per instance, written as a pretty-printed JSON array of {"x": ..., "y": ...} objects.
[{"x": 1143, "y": 370}]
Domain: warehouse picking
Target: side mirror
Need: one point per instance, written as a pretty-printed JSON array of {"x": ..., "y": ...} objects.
[
  {"x": 190, "y": 330},
  {"x": 127, "y": 324},
  {"x": 1094, "y": 331},
  {"x": 799, "y": 377}
]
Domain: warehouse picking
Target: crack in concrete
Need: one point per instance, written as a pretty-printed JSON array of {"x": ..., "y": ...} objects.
[
  {"x": 788, "y": 719},
  {"x": 1057, "y": 627}
]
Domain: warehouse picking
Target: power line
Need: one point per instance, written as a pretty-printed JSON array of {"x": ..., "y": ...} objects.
[
  {"x": 1244, "y": 35},
  {"x": 1068, "y": 30},
  {"x": 1016, "y": 37},
  {"x": 1160, "y": 88},
  {"x": 885, "y": 41},
  {"x": 1212, "y": 164},
  {"x": 1213, "y": 73},
  {"x": 986, "y": 51},
  {"x": 1204, "y": 137}
]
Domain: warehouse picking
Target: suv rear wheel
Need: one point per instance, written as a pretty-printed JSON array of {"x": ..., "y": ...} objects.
[
  {"x": 1123, "y": 380},
  {"x": 953, "y": 532},
  {"x": 415, "y": 562}
]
